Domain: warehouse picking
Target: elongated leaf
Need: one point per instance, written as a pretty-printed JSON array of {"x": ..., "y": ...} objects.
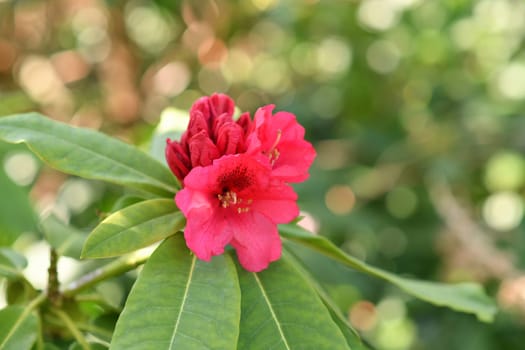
[
  {"x": 134, "y": 227},
  {"x": 352, "y": 337},
  {"x": 179, "y": 302},
  {"x": 87, "y": 153},
  {"x": 464, "y": 297},
  {"x": 66, "y": 240},
  {"x": 11, "y": 263},
  {"x": 280, "y": 310},
  {"x": 18, "y": 328}
]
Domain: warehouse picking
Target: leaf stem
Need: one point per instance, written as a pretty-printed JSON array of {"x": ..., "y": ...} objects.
[
  {"x": 70, "y": 325},
  {"x": 115, "y": 268}
]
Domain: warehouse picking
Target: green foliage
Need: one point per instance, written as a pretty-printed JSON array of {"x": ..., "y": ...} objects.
[
  {"x": 87, "y": 153},
  {"x": 11, "y": 263},
  {"x": 280, "y": 310},
  {"x": 177, "y": 301},
  {"x": 134, "y": 227},
  {"x": 465, "y": 297},
  {"x": 18, "y": 329},
  {"x": 66, "y": 240}
]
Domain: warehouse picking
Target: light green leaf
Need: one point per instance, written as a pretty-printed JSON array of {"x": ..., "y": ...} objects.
[
  {"x": 280, "y": 310},
  {"x": 88, "y": 153},
  {"x": 66, "y": 240},
  {"x": 18, "y": 328},
  {"x": 16, "y": 213},
  {"x": 464, "y": 297},
  {"x": 134, "y": 227},
  {"x": 11, "y": 263},
  {"x": 179, "y": 302}
]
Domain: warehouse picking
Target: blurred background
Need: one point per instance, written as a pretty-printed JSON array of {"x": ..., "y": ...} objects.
[{"x": 416, "y": 110}]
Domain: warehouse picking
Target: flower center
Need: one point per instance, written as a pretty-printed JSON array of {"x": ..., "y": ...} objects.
[{"x": 230, "y": 199}]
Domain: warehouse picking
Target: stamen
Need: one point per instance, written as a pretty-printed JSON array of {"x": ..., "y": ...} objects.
[
  {"x": 277, "y": 139},
  {"x": 273, "y": 153},
  {"x": 229, "y": 198}
]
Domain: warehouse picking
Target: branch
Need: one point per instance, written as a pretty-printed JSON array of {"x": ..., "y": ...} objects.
[{"x": 115, "y": 268}]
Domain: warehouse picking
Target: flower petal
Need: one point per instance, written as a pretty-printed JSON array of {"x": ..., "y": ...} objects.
[
  {"x": 256, "y": 240},
  {"x": 207, "y": 232},
  {"x": 277, "y": 202}
]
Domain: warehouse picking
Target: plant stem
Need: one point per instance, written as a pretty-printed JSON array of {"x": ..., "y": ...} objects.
[
  {"x": 53, "y": 291},
  {"x": 115, "y": 268},
  {"x": 70, "y": 325}
]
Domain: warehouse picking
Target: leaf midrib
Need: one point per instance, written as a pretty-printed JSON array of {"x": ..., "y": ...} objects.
[
  {"x": 272, "y": 312},
  {"x": 17, "y": 324},
  {"x": 184, "y": 298},
  {"x": 157, "y": 183},
  {"x": 119, "y": 233}
]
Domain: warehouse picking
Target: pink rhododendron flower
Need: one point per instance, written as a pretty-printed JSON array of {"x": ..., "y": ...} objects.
[
  {"x": 281, "y": 138},
  {"x": 235, "y": 178},
  {"x": 211, "y": 133},
  {"x": 236, "y": 201}
]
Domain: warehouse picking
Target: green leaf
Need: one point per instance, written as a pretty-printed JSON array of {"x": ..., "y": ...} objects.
[
  {"x": 87, "y": 153},
  {"x": 464, "y": 297},
  {"x": 179, "y": 302},
  {"x": 18, "y": 328},
  {"x": 134, "y": 227},
  {"x": 280, "y": 310},
  {"x": 66, "y": 240},
  {"x": 16, "y": 213},
  {"x": 352, "y": 337},
  {"x": 11, "y": 263}
]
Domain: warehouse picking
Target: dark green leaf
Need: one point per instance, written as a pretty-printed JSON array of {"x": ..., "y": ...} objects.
[
  {"x": 280, "y": 310},
  {"x": 179, "y": 302},
  {"x": 87, "y": 153},
  {"x": 134, "y": 227},
  {"x": 18, "y": 328},
  {"x": 66, "y": 240},
  {"x": 11, "y": 263},
  {"x": 464, "y": 297},
  {"x": 352, "y": 337}
]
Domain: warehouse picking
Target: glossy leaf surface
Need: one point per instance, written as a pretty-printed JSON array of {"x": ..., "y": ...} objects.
[
  {"x": 280, "y": 310},
  {"x": 179, "y": 302},
  {"x": 134, "y": 227},
  {"x": 87, "y": 153}
]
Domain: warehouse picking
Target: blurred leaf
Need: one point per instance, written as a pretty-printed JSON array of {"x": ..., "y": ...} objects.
[
  {"x": 179, "y": 302},
  {"x": 66, "y": 240},
  {"x": 16, "y": 213},
  {"x": 87, "y": 153},
  {"x": 134, "y": 227},
  {"x": 18, "y": 328},
  {"x": 280, "y": 310},
  {"x": 11, "y": 263},
  {"x": 93, "y": 346},
  {"x": 464, "y": 297}
]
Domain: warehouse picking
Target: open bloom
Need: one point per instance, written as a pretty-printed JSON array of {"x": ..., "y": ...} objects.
[
  {"x": 236, "y": 201},
  {"x": 281, "y": 138},
  {"x": 211, "y": 133},
  {"x": 235, "y": 178}
]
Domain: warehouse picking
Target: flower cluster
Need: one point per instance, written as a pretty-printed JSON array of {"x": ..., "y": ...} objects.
[{"x": 236, "y": 176}]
